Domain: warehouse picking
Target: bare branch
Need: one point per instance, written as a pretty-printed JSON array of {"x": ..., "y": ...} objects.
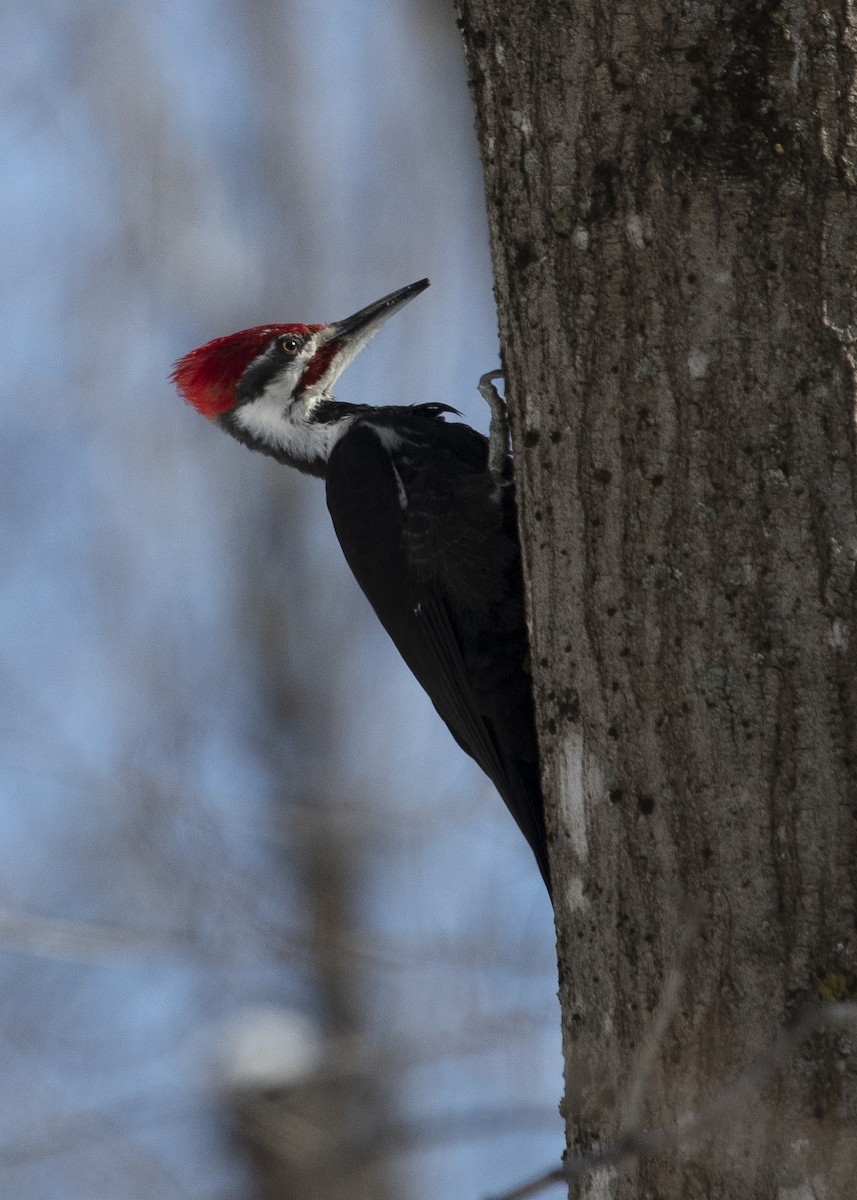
[
  {"x": 640, "y": 1143},
  {"x": 664, "y": 1014}
]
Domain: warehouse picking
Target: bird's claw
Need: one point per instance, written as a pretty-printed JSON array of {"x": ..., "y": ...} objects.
[
  {"x": 499, "y": 443},
  {"x": 486, "y": 381}
]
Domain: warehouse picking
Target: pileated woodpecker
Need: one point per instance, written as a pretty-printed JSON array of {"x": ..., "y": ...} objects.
[{"x": 424, "y": 510}]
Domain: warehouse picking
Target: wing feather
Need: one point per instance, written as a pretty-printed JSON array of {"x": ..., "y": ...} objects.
[{"x": 435, "y": 554}]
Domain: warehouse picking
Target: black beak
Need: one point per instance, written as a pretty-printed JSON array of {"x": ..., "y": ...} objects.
[
  {"x": 340, "y": 343},
  {"x": 368, "y": 319}
]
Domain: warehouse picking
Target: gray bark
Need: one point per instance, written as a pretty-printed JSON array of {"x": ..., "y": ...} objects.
[{"x": 671, "y": 202}]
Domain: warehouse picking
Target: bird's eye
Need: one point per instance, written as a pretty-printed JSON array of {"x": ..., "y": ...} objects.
[{"x": 290, "y": 343}]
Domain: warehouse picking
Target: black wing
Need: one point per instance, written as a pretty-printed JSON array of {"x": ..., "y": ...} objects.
[{"x": 436, "y": 553}]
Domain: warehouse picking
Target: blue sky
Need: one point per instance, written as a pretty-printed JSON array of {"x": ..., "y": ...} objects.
[{"x": 167, "y": 174}]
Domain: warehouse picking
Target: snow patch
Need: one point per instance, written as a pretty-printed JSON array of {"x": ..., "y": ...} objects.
[
  {"x": 838, "y": 636},
  {"x": 572, "y": 791},
  {"x": 697, "y": 364},
  {"x": 599, "y": 1186},
  {"x": 269, "y": 1046},
  {"x": 574, "y": 897},
  {"x": 522, "y": 122},
  {"x": 639, "y": 230}
]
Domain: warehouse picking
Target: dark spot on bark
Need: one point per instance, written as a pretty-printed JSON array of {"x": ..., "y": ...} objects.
[
  {"x": 602, "y": 475},
  {"x": 615, "y": 795},
  {"x": 556, "y": 436},
  {"x": 476, "y": 36},
  {"x": 657, "y": 480},
  {"x": 569, "y": 707},
  {"x": 525, "y": 256},
  {"x": 605, "y": 179},
  {"x": 611, "y": 611},
  {"x": 531, "y": 437},
  {"x": 646, "y": 805},
  {"x": 613, "y": 732}
]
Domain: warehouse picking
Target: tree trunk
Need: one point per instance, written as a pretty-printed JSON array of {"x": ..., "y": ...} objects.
[{"x": 671, "y": 201}]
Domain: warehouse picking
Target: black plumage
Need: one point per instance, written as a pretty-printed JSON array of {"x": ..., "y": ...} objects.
[{"x": 432, "y": 540}]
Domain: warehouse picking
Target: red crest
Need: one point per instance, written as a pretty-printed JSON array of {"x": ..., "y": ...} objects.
[{"x": 208, "y": 377}]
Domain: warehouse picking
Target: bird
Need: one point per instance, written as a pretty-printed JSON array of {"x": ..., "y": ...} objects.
[{"x": 424, "y": 510}]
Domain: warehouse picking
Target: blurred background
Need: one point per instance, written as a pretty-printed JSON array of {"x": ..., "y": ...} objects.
[{"x": 264, "y": 930}]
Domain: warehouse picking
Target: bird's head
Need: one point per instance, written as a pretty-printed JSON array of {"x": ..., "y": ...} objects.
[{"x": 271, "y": 386}]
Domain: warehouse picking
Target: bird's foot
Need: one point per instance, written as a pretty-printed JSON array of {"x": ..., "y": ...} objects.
[{"x": 499, "y": 443}]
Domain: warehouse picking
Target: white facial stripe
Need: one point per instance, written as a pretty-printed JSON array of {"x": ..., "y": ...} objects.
[
  {"x": 290, "y": 430},
  {"x": 278, "y": 420}
]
